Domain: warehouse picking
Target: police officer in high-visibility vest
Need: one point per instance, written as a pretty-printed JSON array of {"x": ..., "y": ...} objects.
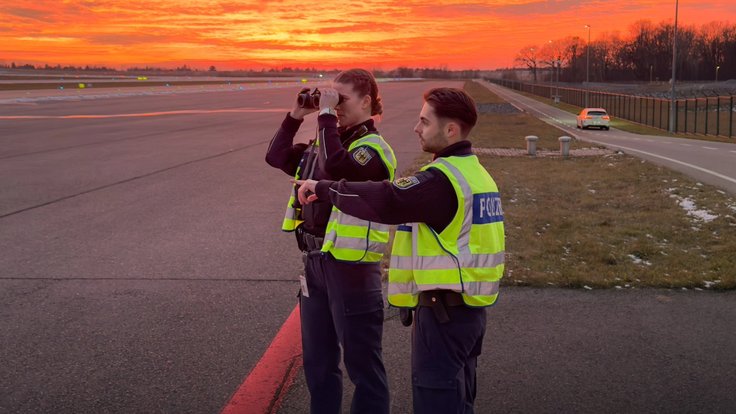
[
  {"x": 446, "y": 263},
  {"x": 341, "y": 300}
]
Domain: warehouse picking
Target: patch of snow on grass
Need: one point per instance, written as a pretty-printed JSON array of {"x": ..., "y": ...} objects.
[
  {"x": 639, "y": 260},
  {"x": 688, "y": 204}
]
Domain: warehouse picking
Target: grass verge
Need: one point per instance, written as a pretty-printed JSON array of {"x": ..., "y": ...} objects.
[
  {"x": 611, "y": 221},
  {"x": 507, "y": 130},
  {"x": 628, "y": 126},
  {"x": 607, "y": 222}
]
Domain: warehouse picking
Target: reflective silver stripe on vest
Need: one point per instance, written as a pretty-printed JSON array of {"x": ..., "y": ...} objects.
[
  {"x": 349, "y": 220},
  {"x": 415, "y": 242},
  {"x": 355, "y": 243},
  {"x": 481, "y": 288},
  {"x": 471, "y": 288},
  {"x": 463, "y": 239},
  {"x": 395, "y": 288},
  {"x": 447, "y": 262},
  {"x": 290, "y": 213}
]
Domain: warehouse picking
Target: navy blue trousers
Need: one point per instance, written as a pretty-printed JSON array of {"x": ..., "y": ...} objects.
[
  {"x": 444, "y": 358},
  {"x": 344, "y": 308}
]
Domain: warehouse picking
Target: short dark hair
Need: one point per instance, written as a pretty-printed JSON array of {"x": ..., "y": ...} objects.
[{"x": 454, "y": 104}]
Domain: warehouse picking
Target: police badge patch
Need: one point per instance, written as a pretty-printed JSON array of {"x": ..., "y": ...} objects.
[
  {"x": 406, "y": 182},
  {"x": 362, "y": 156}
]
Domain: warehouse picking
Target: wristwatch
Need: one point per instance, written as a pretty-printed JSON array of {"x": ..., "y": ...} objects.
[{"x": 328, "y": 110}]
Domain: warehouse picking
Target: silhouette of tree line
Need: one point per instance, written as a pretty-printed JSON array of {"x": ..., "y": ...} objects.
[{"x": 644, "y": 54}]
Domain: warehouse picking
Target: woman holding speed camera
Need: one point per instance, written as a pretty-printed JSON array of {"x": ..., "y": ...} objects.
[{"x": 340, "y": 300}]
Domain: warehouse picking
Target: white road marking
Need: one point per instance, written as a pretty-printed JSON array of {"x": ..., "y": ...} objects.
[
  {"x": 710, "y": 148},
  {"x": 145, "y": 114},
  {"x": 695, "y": 167}
]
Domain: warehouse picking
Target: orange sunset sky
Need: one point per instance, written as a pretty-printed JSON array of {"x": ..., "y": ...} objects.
[{"x": 318, "y": 33}]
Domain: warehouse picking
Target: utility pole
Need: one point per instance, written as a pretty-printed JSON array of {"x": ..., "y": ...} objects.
[{"x": 674, "y": 73}]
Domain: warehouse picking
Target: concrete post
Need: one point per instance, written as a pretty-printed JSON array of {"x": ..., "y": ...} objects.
[
  {"x": 531, "y": 144},
  {"x": 565, "y": 145}
]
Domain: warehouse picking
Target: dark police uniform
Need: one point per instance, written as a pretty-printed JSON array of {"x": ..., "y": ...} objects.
[
  {"x": 342, "y": 303},
  {"x": 447, "y": 335}
]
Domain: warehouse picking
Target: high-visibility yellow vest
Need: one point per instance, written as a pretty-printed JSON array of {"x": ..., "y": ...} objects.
[
  {"x": 467, "y": 256},
  {"x": 348, "y": 238},
  {"x": 352, "y": 239},
  {"x": 292, "y": 218}
]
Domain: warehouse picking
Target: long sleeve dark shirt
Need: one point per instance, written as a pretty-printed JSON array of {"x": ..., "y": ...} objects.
[
  {"x": 334, "y": 161},
  {"x": 427, "y": 196}
]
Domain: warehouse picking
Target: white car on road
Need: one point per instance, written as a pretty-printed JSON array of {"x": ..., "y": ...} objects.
[{"x": 593, "y": 117}]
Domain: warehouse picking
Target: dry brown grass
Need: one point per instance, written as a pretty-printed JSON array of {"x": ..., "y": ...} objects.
[
  {"x": 641, "y": 129},
  {"x": 481, "y": 94},
  {"x": 608, "y": 221},
  {"x": 612, "y": 221},
  {"x": 508, "y": 130}
]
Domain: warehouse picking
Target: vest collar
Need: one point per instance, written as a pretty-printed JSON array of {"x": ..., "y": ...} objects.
[
  {"x": 347, "y": 136},
  {"x": 460, "y": 148}
]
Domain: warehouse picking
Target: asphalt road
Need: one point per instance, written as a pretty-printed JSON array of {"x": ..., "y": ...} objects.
[
  {"x": 710, "y": 162},
  {"x": 580, "y": 351},
  {"x": 142, "y": 269}
]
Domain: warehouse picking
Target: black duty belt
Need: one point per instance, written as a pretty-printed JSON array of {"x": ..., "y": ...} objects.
[
  {"x": 439, "y": 301},
  {"x": 308, "y": 242}
]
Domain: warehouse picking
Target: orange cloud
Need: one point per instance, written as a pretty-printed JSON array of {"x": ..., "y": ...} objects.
[{"x": 326, "y": 34}]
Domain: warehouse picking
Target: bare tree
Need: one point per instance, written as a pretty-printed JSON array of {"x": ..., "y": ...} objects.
[
  {"x": 528, "y": 56},
  {"x": 644, "y": 53},
  {"x": 711, "y": 42},
  {"x": 554, "y": 55}
]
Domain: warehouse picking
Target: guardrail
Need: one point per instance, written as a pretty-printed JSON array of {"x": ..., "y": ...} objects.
[{"x": 706, "y": 115}]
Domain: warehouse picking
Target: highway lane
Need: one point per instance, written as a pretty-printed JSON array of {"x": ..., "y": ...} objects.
[
  {"x": 142, "y": 268},
  {"x": 710, "y": 162}
]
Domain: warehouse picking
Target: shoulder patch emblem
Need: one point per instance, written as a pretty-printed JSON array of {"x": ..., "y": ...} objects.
[
  {"x": 406, "y": 182},
  {"x": 362, "y": 155}
]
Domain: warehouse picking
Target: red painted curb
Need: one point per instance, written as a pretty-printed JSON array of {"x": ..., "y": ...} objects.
[{"x": 265, "y": 387}]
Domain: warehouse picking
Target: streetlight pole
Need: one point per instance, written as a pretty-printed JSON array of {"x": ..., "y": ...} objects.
[
  {"x": 557, "y": 85},
  {"x": 717, "y": 67},
  {"x": 674, "y": 66},
  {"x": 587, "y": 66}
]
